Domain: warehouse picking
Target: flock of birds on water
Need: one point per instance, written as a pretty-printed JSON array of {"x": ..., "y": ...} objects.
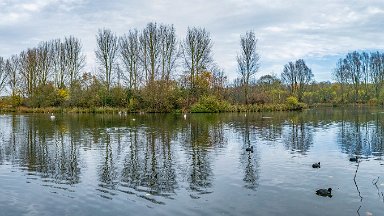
[
  {"x": 328, "y": 192},
  {"x": 53, "y": 117},
  {"x": 320, "y": 192}
]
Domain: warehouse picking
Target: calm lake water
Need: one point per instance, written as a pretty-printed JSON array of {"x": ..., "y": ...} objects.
[{"x": 156, "y": 164}]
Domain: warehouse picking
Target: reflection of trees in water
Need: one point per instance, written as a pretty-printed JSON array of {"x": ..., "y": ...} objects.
[
  {"x": 140, "y": 156},
  {"x": 107, "y": 169},
  {"x": 249, "y": 160},
  {"x": 217, "y": 135},
  {"x": 200, "y": 177},
  {"x": 202, "y": 135},
  {"x": 128, "y": 155},
  {"x": 42, "y": 150},
  {"x": 148, "y": 158},
  {"x": 362, "y": 137},
  {"x": 137, "y": 157},
  {"x": 270, "y": 130},
  {"x": 251, "y": 171},
  {"x": 148, "y": 165},
  {"x": 377, "y": 135},
  {"x": 7, "y": 135},
  {"x": 297, "y": 135},
  {"x": 268, "y": 125},
  {"x": 50, "y": 153},
  {"x": 132, "y": 167}
]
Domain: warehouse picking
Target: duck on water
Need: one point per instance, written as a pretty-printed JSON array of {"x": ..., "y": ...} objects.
[
  {"x": 324, "y": 192},
  {"x": 316, "y": 165},
  {"x": 249, "y": 149}
]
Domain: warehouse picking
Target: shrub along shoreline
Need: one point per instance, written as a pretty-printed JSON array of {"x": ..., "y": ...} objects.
[
  {"x": 208, "y": 104},
  {"x": 112, "y": 110}
]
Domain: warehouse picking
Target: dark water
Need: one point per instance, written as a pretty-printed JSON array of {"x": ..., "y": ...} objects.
[{"x": 167, "y": 165}]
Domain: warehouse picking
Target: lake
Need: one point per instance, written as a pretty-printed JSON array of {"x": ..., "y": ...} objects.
[{"x": 165, "y": 164}]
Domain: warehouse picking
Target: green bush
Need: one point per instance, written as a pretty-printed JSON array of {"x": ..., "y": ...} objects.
[
  {"x": 294, "y": 104},
  {"x": 210, "y": 104},
  {"x": 88, "y": 96},
  {"x": 44, "y": 96},
  {"x": 292, "y": 101}
]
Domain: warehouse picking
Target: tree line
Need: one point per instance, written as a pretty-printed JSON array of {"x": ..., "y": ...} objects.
[
  {"x": 51, "y": 65},
  {"x": 135, "y": 68},
  {"x": 152, "y": 70},
  {"x": 362, "y": 72}
]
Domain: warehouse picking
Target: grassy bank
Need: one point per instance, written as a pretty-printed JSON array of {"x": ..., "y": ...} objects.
[
  {"x": 114, "y": 110},
  {"x": 61, "y": 110},
  {"x": 206, "y": 104}
]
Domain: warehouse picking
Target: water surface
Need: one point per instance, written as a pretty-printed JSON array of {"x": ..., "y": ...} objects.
[{"x": 152, "y": 164}]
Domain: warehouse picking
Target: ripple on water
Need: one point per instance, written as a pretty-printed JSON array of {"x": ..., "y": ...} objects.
[{"x": 107, "y": 166}]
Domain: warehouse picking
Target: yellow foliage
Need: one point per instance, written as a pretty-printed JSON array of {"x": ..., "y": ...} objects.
[
  {"x": 63, "y": 93},
  {"x": 291, "y": 100},
  {"x": 204, "y": 79}
]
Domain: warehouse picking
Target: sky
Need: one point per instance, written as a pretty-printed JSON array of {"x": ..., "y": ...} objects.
[{"x": 320, "y": 32}]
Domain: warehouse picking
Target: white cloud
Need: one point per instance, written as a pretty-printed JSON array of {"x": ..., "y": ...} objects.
[
  {"x": 286, "y": 30},
  {"x": 19, "y": 11}
]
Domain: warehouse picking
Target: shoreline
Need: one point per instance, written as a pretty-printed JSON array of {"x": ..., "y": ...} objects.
[{"x": 113, "y": 110}]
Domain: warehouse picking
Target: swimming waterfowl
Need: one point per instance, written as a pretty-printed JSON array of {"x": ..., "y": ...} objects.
[
  {"x": 324, "y": 192},
  {"x": 354, "y": 159},
  {"x": 249, "y": 149},
  {"x": 52, "y": 117},
  {"x": 316, "y": 165}
]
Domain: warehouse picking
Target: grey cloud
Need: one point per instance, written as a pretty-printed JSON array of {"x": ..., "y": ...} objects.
[{"x": 286, "y": 29}]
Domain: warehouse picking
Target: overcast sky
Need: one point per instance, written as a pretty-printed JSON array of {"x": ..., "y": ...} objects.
[{"x": 320, "y": 32}]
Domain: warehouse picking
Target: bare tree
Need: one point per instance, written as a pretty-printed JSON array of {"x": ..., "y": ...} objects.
[
  {"x": 355, "y": 73},
  {"x": 59, "y": 63},
  {"x": 377, "y": 71},
  {"x": 74, "y": 60},
  {"x": 365, "y": 62},
  {"x": 340, "y": 74},
  {"x": 106, "y": 51},
  {"x": 3, "y": 74},
  {"x": 67, "y": 60},
  {"x": 143, "y": 57},
  {"x": 12, "y": 68},
  {"x": 28, "y": 71},
  {"x": 157, "y": 51},
  {"x": 129, "y": 51},
  {"x": 150, "y": 45},
  {"x": 168, "y": 50},
  {"x": 218, "y": 81},
  {"x": 297, "y": 76},
  {"x": 44, "y": 62},
  {"x": 289, "y": 77},
  {"x": 197, "y": 52},
  {"x": 248, "y": 60},
  {"x": 304, "y": 77}
]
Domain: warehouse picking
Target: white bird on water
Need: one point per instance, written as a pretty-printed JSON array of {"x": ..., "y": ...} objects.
[
  {"x": 185, "y": 116},
  {"x": 52, "y": 117}
]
